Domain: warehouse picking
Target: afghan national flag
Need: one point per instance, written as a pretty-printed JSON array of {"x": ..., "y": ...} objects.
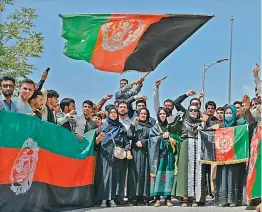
[
  {"x": 225, "y": 145},
  {"x": 122, "y": 42},
  {"x": 43, "y": 167},
  {"x": 254, "y": 178}
]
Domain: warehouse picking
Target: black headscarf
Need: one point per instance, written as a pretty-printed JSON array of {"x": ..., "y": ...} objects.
[
  {"x": 162, "y": 123},
  {"x": 113, "y": 123},
  {"x": 145, "y": 123}
]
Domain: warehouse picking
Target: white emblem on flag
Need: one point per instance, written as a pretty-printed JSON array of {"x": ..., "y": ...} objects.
[
  {"x": 117, "y": 35},
  {"x": 23, "y": 170},
  {"x": 224, "y": 144}
]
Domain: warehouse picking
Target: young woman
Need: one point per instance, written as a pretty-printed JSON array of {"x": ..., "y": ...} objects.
[
  {"x": 138, "y": 183},
  {"x": 110, "y": 171},
  {"x": 162, "y": 159},
  {"x": 230, "y": 179}
]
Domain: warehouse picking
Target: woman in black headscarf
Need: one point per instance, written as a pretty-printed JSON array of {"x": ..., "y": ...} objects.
[
  {"x": 110, "y": 174},
  {"x": 138, "y": 184}
]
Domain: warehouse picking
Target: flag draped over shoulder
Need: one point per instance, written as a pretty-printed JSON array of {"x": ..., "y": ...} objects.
[
  {"x": 254, "y": 178},
  {"x": 43, "y": 167},
  {"x": 122, "y": 42},
  {"x": 225, "y": 145}
]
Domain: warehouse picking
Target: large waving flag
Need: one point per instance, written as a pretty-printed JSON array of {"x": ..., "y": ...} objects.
[
  {"x": 123, "y": 42},
  {"x": 254, "y": 178},
  {"x": 43, "y": 167}
]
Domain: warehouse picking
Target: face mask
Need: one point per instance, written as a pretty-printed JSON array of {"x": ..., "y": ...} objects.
[{"x": 229, "y": 117}]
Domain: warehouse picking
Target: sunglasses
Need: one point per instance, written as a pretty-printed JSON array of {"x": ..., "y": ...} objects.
[
  {"x": 193, "y": 110},
  {"x": 8, "y": 85}
]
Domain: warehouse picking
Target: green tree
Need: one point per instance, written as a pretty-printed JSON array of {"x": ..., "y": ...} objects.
[{"x": 18, "y": 42}]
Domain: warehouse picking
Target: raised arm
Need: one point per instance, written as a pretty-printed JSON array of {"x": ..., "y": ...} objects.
[
  {"x": 156, "y": 98},
  {"x": 256, "y": 78},
  {"x": 178, "y": 101},
  {"x": 102, "y": 102},
  {"x": 42, "y": 80},
  {"x": 248, "y": 115}
]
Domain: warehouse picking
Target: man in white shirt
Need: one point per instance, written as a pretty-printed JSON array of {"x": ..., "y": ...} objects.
[
  {"x": 25, "y": 92},
  {"x": 123, "y": 114}
]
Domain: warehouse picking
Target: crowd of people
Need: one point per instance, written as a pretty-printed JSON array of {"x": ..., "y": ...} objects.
[{"x": 139, "y": 159}]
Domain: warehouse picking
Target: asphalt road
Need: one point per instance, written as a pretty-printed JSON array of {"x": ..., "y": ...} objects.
[{"x": 176, "y": 208}]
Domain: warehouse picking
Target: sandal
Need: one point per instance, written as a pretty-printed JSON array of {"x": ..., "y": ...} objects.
[
  {"x": 169, "y": 203},
  {"x": 157, "y": 204}
]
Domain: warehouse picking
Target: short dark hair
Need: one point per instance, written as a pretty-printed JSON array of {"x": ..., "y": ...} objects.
[
  {"x": 169, "y": 100},
  {"x": 28, "y": 81},
  {"x": 66, "y": 102},
  {"x": 89, "y": 102},
  {"x": 123, "y": 102},
  {"x": 237, "y": 103},
  {"x": 220, "y": 109},
  {"x": 124, "y": 80},
  {"x": 52, "y": 93},
  {"x": 35, "y": 94},
  {"x": 6, "y": 78},
  {"x": 140, "y": 101},
  {"x": 211, "y": 103},
  {"x": 195, "y": 99}
]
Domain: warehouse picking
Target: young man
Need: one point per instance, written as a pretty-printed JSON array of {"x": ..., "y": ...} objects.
[
  {"x": 51, "y": 103},
  {"x": 66, "y": 118},
  {"x": 36, "y": 103},
  {"x": 7, "y": 86},
  {"x": 123, "y": 114},
  {"x": 25, "y": 92},
  {"x": 238, "y": 105},
  {"x": 220, "y": 116},
  {"x": 84, "y": 122},
  {"x": 126, "y": 90},
  {"x": 210, "y": 109}
]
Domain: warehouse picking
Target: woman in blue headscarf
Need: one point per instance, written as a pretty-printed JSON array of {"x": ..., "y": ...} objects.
[
  {"x": 230, "y": 179},
  {"x": 110, "y": 171}
]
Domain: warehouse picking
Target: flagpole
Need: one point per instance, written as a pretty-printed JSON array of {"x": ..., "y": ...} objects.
[{"x": 230, "y": 61}]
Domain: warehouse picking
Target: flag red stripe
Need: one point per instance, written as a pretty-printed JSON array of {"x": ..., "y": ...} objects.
[{"x": 51, "y": 168}]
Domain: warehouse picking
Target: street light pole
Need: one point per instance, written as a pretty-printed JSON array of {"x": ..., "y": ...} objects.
[
  {"x": 205, "y": 68},
  {"x": 230, "y": 61}
]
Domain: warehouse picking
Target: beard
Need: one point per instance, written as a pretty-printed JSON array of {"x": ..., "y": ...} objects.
[
  {"x": 7, "y": 93},
  {"x": 122, "y": 113}
]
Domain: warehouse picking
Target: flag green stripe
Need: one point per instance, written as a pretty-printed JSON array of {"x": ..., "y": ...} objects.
[
  {"x": 241, "y": 142},
  {"x": 81, "y": 33},
  {"x": 257, "y": 190},
  {"x": 16, "y": 128}
]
